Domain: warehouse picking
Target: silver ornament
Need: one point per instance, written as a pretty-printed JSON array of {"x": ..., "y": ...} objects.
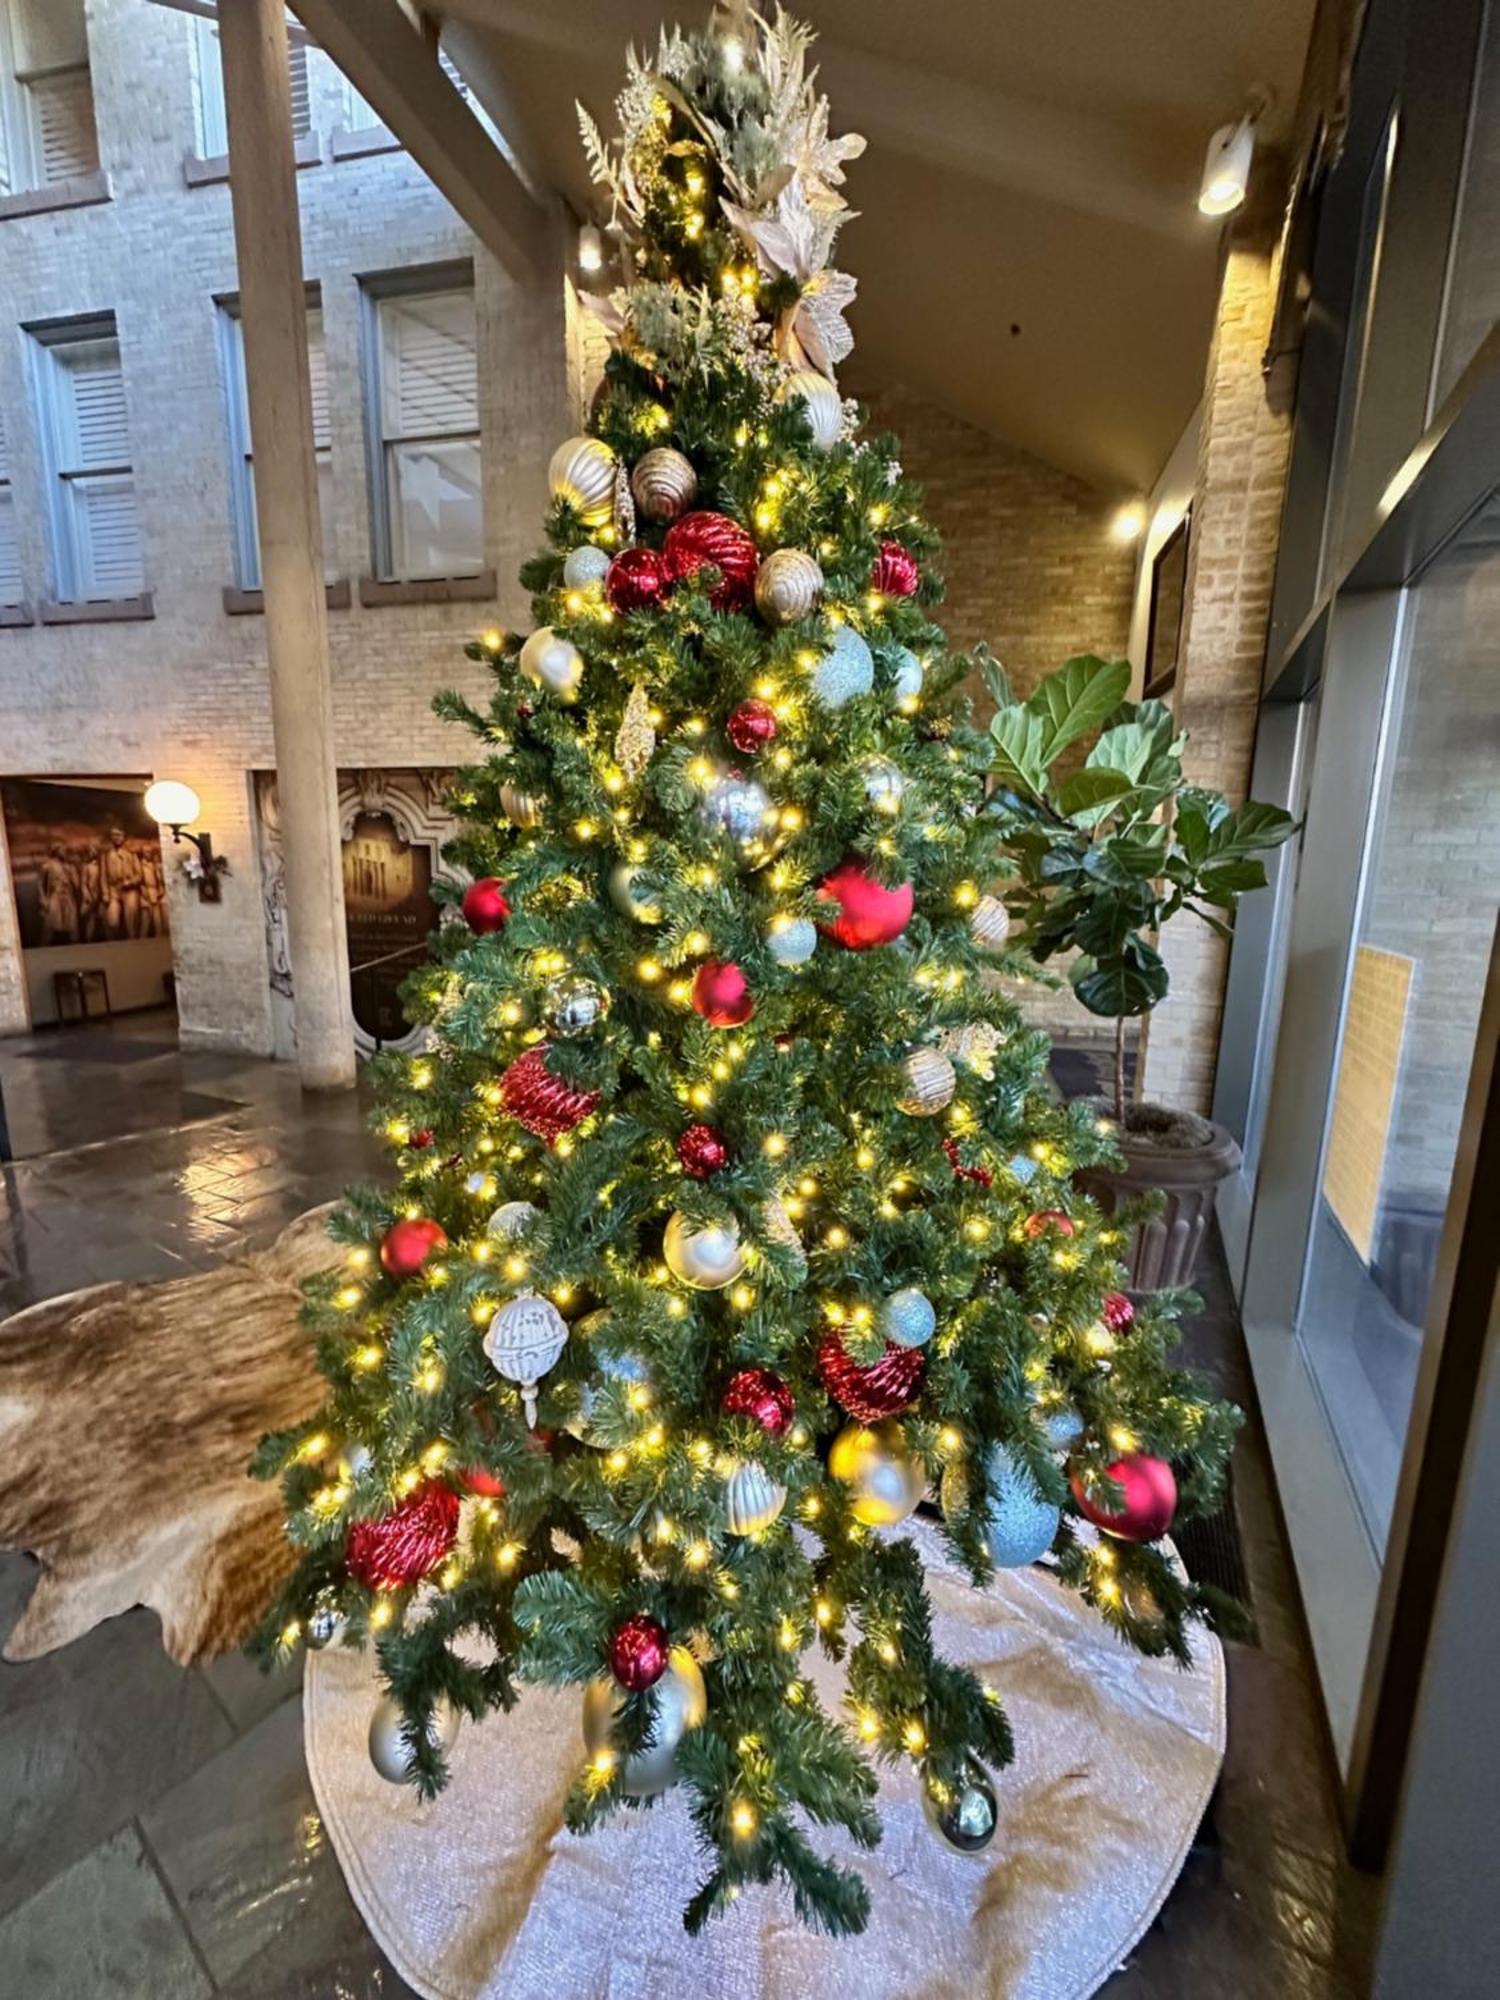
[
  {"x": 582, "y": 473},
  {"x": 885, "y": 786},
  {"x": 908, "y": 1318},
  {"x": 973, "y": 1045},
  {"x": 707, "y": 1258},
  {"x": 989, "y": 923},
  {"x": 738, "y": 806},
  {"x": 628, "y": 1368},
  {"x": 788, "y": 585},
  {"x": 523, "y": 1342},
  {"x": 586, "y": 567},
  {"x": 573, "y": 1006},
  {"x": 389, "y": 1750},
  {"x": 679, "y": 1702},
  {"x": 1019, "y": 1525},
  {"x": 552, "y": 661},
  {"x": 512, "y": 1219},
  {"x": 792, "y": 940},
  {"x": 930, "y": 1083},
  {"x": 630, "y": 895},
  {"x": 664, "y": 484},
  {"x": 845, "y": 671},
  {"x": 752, "y": 1498},
  {"x": 907, "y": 684},
  {"x": 520, "y": 808},
  {"x": 965, "y": 1817},
  {"x": 820, "y": 405},
  {"x": 325, "y": 1623},
  {"x": 885, "y": 1482}
]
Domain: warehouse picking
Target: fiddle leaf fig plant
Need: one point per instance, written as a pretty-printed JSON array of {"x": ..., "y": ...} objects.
[{"x": 1112, "y": 844}]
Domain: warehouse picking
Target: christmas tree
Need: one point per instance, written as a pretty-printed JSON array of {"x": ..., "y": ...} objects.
[{"x": 733, "y": 1212}]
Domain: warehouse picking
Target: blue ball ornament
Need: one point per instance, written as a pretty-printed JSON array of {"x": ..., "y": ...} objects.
[
  {"x": 792, "y": 941},
  {"x": 907, "y": 684},
  {"x": 1062, "y": 1428},
  {"x": 908, "y": 1318},
  {"x": 846, "y": 670},
  {"x": 1019, "y": 1525}
]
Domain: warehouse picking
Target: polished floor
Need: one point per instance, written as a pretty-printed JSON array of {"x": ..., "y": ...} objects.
[{"x": 159, "y": 1837}]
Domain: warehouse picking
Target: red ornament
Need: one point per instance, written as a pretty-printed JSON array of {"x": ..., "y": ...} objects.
[
  {"x": 869, "y": 914},
  {"x": 479, "y": 1479},
  {"x": 1150, "y": 1490},
  {"x": 702, "y": 1151},
  {"x": 874, "y": 1393},
  {"x": 403, "y": 1547},
  {"x": 721, "y": 994},
  {"x": 894, "y": 572},
  {"x": 638, "y": 1652},
  {"x": 751, "y": 727},
  {"x": 420, "y": 1141},
  {"x": 1048, "y": 1218},
  {"x": 981, "y": 1176},
  {"x": 484, "y": 905},
  {"x": 701, "y": 538},
  {"x": 408, "y": 1244},
  {"x": 636, "y": 580},
  {"x": 1118, "y": 1312},
  {"x": 760, "y": 1393},
  {"x": 540, "y": 1101}
]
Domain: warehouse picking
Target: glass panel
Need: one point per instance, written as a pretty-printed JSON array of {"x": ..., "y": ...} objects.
[
  {"x": 437, "y": 520},
  {"x": 106, "y": 538},
  {"x": 428, "y": 377},
  {"x": 1421, "y": 951},
  {"x": 1473, "y": 302}
]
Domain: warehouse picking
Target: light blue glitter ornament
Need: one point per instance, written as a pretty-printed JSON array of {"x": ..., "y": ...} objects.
[
  {"x": 792, "y": 940},
  {"x": 585, "y": 566},
  {"x": 847, "y": 669},
  {"x": 1019, "y": 1525},
  {"x": 907, "y": 1317},
  {"x": 613, "y": 1367},
  {"x": 908, "y": 682},
  {"x": 1062, "y": 1428}
]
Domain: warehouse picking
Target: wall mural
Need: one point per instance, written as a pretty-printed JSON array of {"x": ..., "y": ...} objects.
[
  {"x": 86, "y": 862},
  {"x": 393, "y": 825}
]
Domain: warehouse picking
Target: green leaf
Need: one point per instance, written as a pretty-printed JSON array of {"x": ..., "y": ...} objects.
[
  {"x": 995, "y": 678},
  {"x": 1225, "y": 883},
  {"x": 1018, "y": 734},
  {"x": 1133, "y": 983},
  {"x": 1131, "y": 857},
  {"x": 1251, "y": 829},
  {"x": 1076, "y": 699},
  {"x": 1088, "y": 794}
]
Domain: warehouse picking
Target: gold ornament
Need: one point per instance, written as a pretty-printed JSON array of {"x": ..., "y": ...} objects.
[
  {"x": 788, "y": 585},
  {"x": 552, "y": 661},
  {"x": 781, "y": 1229},
  {"x": 930, "y": 1081},
  {"x": 679, "y": 1702},
  {"x": 886, "y": 1483},
  {"x": 623, "y": 509},
  {"x": 973, "y": 1045},
  {"x": 520, "y": 808},
  {"x": 989, "y": 923},
  {"x": 582, "y": 473},
  {"x": 635, "y": 739},
  {"x": 664, "y": 484},
  {"x": 708, "y": 1259}
]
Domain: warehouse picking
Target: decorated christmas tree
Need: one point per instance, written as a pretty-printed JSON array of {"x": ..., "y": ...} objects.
[{"x": 732, "y": 1213}]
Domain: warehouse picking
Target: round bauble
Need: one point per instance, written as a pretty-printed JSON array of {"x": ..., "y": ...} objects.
[
  {"x": 484, "y": 906},
  {"x": 908, "y": 1318},
  {"x": 699, "y": 540},
  {"x": 1118, "y": 1312},
  {"x": 390, "y": 1752},
  {"x": 680, "y": 1704},
  {"x": 885, "y": 1481},
  {"x": 1149, "y": 1487},
  {"x": 703, "y": 1151},
  {"x": 906, "y": 684},
  {"x": 478, "y": 1479},
  {"x": 973, "y": 1045},
  {"x": 870, "y": 1393},
  {"x": 522, "y": 1343},
  {"x": 585, "y": 567},
  {"x": 930, "y": 1083},
  {"x": 761, "y": 1395},
  {"x": 869, "y": 914},
  {"x": 752, "y": 726},
  {"x": 626, "y": 1368},
  {"x": 664, "y": 484},
  {"x": 324, "y": 1623},
  {"x": 894, "y": 572},
  {"x": 407, "y": 1245},
  {"x": 752, "y": 1498},
  {"x": 1061, "y": 1426},
  {"x": 542, "y": 1102},
  {"x": 511, "y": 1219},
  {"x": 637, "y": 580},
  {"x": 1048, "y": 1219},
  {"x": 792, "y": 940},
  {"x": 404, "y": 1545},
  {"x": 573, "y": 1006},
  {"x": 631, "y": 894},
  {"x": 707, "y": 1256},
  {"x": 638, "y": 1652},
  {"x": 520, "y": 808},
  {"x": 989, "y": 923},
  {"x": 552, "y": 660},
  {"x": 582, "y": 474},
  {"x": 965, "y": 1816},
  {"x": 845, "y": 671},
  {"x": 788, "y": 585},
  {"x": 820, "y": 405},
  {"x": 885, "y": 785},
  {"x": 738, "y": 806},
  {"x": 721, "y": 994},
  {"x": 1019, "y": 1525}
]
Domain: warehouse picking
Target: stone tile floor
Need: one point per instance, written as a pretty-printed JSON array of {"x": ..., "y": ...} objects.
[{"x": 159, "y": 1837}]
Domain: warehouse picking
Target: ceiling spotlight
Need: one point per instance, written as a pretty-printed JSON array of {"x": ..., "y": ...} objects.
[
  {"x": 590, "y": 248},
  {"x": 1128, "y": 521},
  {"x": 1226, "y": 170}
]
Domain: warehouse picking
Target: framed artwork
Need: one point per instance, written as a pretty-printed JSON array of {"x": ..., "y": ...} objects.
[
  {"x": 1168, "y": 596},
  {"x": 86, "y": 863}
]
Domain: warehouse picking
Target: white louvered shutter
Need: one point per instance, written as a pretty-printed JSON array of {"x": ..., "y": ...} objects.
[
  {"x": 10, "y": 554},
  {"x": 430, "y": 378},
  {"x": 96, "y": 448},
  {"x": 62, "y": 111},
  {"x": 317, "y": 370},
  {"x": 301, "y": 88},
  {"x": 430, "y": 409}
]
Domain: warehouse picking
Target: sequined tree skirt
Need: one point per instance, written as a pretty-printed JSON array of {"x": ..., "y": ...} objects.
[{"x": 483, "y": 1896}]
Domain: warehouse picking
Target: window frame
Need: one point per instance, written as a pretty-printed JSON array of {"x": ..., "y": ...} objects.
[
  {"x": 70, "y": 580},
  {"x": 243, "y": 520},
  {"x": 8, "y": 515},
  {"x": 22, "y": 150},
  {"x": 211, "y": 135}
]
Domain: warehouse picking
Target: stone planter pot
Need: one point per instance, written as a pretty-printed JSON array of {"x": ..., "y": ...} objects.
[{"x": 1182, "y": 1157}]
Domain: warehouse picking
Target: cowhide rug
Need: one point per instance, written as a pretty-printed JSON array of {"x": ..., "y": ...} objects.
[{"x": 128, "y": 1414}]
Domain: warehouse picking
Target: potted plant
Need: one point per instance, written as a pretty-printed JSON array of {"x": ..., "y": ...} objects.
[{"x": 1108, "y": 846}]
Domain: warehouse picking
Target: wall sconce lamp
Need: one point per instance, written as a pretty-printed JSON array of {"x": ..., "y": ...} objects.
[
  {"x": 1226, "y": 170},
  {"x": 174, "y": 805},
  {"x": 590, "y": 248}
]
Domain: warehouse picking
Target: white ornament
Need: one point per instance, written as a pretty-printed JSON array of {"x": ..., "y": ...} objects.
[
  {"x": 752, "y": 1498},
  {"x": 908, "y": 682},
  {"x": 582, "y": 473},
  {"x": 989, "y": 923},
  {"x": 520, "y": 808},
  {"x": 389, "y": 1750},
  {"x": 792, "y": 940},
  {"x": 788, "y": 585},
  {"x": 512, "y": 1219},
  {"x": 586, "y": 566},
  {"x": 846, "y": 670},
  {"x": 523, "y": 1342},
  {"x": 820, "y": 404},
  {"x": 552, "y": 660},
  {"x": 664, "y": 484},
  {"x": 885, "y": 785},
  {"x": 679, "y": 1702},
  {"x": 628, "y": 895},
  {"x": 709, "y": 1258},
  {"x": 930, "y": 1083},
  {"x": 908, "y": 1318}
]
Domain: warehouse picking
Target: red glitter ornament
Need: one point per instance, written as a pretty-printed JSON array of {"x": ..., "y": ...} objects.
[
  {"x": 638, "y": 1652},
  {"x": 751, "y": 727},
  {"x": 870, "y": 1394},
  {"x": 1150, "y": 1499},
  {"x": 484, "y": 906},
  {"x": 760, "y": 1394},
  {"x": 980, "y": 1176},
  {"x": 420, "y": 1141},
  {"x": 636, "y": 580},
  {"x": 1048, "y": 1218},
  {"x": 869, "y": 913},
  {"x": 404, "y": 1546},
  {"x": 1118, "y": 1312},
  {"x": 894, "y": 572},
  {"x": 540, "y": 1101},
  {"x": 408, "y": 1244},
  {"x": 721, "y": 994},
  {"x": 702, "y": 1151},
  {"x": 479, "y": 1479},
  {"x": 701, "y": 538}
]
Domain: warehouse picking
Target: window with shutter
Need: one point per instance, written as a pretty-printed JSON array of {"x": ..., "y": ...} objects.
[
  {"x": 10, "y": 554},
  {"x": 62, "y": 112},
  {"x": 46, "y": 95},
  {"x": 244, "y": 520},
  {"x": 301, "y": 92},
  {"x": 86, "y": 437},
  {"x": 429, "y": 511},
  {"x": 208, "y": 85}
]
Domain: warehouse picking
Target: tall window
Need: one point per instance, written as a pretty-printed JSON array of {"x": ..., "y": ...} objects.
[
  {"x": 96, "y": 545},
  {"x": 208, "y": 87},
  {"x": 423, "y": 396},
  {"x": 10, "y": 554},
  {"x": 247, "y": 572},
  {"x": 46, "y": 98}
]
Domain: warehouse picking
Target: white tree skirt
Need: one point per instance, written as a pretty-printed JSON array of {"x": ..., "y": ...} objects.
[{"x": 483, "y": 1895}]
